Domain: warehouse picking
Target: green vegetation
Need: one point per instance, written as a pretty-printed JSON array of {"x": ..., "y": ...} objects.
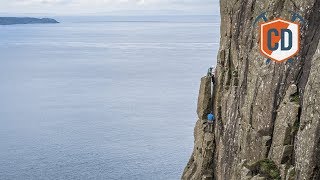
[
  {"x": 267, "y": 168},
  {"x": 295, "y": 98},
  {"x": 292, "y": 173}
]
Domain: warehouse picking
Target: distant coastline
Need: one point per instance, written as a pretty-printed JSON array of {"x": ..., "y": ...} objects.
[{"x": 26, "y": 20}]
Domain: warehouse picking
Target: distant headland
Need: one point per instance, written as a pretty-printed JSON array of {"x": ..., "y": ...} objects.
[{"x": 26, "y": 20}]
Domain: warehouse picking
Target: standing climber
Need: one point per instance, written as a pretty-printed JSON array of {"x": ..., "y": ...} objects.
[
  {"x": 213, "y": 78},
  {"x": 211, "y": 119},
  {"x": 209, "y": 74},
  {"x": 212, "y": 71}
]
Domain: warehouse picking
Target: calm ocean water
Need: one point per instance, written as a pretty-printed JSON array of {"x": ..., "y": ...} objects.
[{"x": 101, "y": 100}]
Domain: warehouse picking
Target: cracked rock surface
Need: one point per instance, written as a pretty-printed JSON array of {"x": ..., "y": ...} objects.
[{"x": 268, "y": 114}]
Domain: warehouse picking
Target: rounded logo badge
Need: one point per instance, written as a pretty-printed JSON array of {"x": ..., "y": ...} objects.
[{"x": 279, "y": 38}]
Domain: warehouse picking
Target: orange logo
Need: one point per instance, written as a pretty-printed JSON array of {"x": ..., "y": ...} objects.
[{"x": 279, "y": 38}]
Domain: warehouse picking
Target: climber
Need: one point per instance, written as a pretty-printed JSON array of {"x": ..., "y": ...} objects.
[
  {"x": 212, "y": 86},
  {"x": 213, "y": 77},
  {"x": 211, "y": 119},
  {"x": 209, "y": 74}
]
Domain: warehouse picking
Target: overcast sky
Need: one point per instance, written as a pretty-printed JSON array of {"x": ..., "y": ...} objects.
[{"x": 78, "y": 7}]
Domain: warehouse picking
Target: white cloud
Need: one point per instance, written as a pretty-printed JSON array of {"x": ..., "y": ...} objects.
[
  {"x": 104, "y": 6},
  {"x": 37, "y": 2}
]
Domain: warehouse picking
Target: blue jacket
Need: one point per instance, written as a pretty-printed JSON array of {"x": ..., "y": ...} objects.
[{"x": 211, "y": 117}]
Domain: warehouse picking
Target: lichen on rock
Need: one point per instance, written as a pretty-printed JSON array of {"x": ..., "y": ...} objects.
[
  {"x": 264, "y": 111},
  {"x": 200, "y": 165}
]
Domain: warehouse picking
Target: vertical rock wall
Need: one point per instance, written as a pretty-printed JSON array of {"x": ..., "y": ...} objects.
[
  {"x": 267, "y": 114},
  {"x": 200, "y": 165}
]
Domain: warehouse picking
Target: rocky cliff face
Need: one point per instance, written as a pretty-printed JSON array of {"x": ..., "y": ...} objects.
[{"x": 268, "y": 116}]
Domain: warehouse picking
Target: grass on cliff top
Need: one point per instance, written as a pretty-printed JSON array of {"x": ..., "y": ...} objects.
[{"x": 266, "y": 167}]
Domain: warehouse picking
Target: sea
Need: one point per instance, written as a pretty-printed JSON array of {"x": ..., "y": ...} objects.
[{"x": 110, "y": 98}]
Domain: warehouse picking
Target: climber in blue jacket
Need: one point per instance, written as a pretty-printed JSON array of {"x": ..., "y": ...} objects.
[{"x": 211, "y": 119}]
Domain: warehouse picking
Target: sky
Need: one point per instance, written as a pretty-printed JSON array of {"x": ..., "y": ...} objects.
[{"x": 100, "y": 7}]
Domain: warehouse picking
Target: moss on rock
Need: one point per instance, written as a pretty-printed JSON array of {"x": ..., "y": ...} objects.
[{"x": 267, "y": 168}]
